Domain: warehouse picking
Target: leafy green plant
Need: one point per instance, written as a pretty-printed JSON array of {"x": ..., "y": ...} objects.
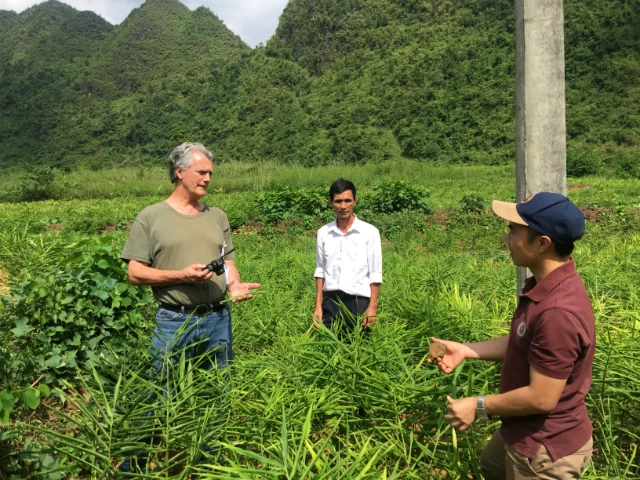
[
  {"x": 581, "y": 164},
  {"x": 37, "y": 183},
  {"x": 286, "y": 202},
  {"x": 627, "y": 166},
  {"x": 473, "y": 203},
  {"x": 80, "y": 310},
  {"x": 10, "y": 398},
  {"x": 397, "y": 196}
]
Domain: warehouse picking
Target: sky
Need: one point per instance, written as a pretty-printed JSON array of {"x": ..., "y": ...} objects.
[{"x": 254, "y": 21}]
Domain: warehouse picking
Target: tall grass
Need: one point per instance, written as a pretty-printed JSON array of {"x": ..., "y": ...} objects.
[{"x": 302, "y": 404}]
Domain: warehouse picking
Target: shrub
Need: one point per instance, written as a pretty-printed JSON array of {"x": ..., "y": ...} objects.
[
  {"x": 35, "y": 183},
  {"x": 627, "y": 166},
  {"x": 473, "y": 203},
  {"x": 287, "y": 202},
  {"x": 581, "y": 164},
  {"x": 58, "y": 322},
  {"x": 397, "y": 196}
]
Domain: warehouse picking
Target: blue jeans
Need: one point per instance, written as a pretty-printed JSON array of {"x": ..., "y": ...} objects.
[{"x": 196, "y": 335}]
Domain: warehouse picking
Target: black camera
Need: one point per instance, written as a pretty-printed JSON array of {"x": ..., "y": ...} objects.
[{"x": 217, "y": 266}]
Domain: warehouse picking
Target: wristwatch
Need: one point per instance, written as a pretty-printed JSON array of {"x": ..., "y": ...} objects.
[{"x": 480, "y": 411}]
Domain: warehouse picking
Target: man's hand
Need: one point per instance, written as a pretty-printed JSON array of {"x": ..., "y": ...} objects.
[
  {"x": 461, "y": 413},
  {"x": 240, "y": 292},
  {"x": 317, "y": 317},
  {"x": 454, "y": 355},
  {"x": 370, "y": 318},
  {"x": 196, "y": 273}
]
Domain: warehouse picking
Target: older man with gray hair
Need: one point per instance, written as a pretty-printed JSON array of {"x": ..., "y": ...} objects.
[
  {"x": 170, "y": 245},
  {"x": 169, "y": 248}
]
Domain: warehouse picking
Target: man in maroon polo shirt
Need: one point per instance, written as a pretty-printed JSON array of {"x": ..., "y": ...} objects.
[{"x": 546, "y": 358}]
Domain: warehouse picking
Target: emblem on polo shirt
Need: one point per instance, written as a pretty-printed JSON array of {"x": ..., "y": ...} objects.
[{"x": 522, "y": 328}]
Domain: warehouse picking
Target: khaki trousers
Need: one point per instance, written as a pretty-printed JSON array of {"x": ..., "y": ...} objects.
[{"x": 499, "y": 462}]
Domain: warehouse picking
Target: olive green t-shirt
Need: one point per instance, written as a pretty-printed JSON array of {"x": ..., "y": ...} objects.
[{"x": 168, "y": 240}]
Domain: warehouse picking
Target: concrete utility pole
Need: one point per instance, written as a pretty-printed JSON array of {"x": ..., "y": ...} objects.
[{"x": 540, "y": 101}]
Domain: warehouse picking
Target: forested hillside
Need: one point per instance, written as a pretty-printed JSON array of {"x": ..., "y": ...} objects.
[{"x": 343, "y": 81}]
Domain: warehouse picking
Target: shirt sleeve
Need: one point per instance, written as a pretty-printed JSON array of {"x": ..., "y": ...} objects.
[
  {"x": 138, "y": 245},
  {"x": 556, "y": 343},
  {"x": 319, "y": 273},
  {"x": 374, "y": 258}
]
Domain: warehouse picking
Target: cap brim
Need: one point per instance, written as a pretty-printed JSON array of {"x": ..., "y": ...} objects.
[{"x": 507, "y": 210}]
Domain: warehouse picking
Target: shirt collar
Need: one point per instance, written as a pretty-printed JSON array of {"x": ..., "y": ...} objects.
[
  {"x": 537, "y": 291},
  {"x": 355, "y": 226}
]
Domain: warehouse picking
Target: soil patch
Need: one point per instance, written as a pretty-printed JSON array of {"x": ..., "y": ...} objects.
[
  {"x": 246, "y": 229},
  {"x": 112, "y": 227},
  {"x": 594, "y": 214},
  {"x": 55, "y": 226},
  {"x": 439, "y": 217}
]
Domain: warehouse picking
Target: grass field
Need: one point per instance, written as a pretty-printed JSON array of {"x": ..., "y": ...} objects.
[{"x": 299, "y": 403}]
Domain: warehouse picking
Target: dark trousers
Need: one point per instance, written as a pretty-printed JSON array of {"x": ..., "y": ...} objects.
[{"x": 334, "y": 304}]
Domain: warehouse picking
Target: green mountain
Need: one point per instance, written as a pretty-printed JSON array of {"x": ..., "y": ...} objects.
[
  {"x": 5, "y": 16},
  {"x": 148, "y": 84},
  {"x": 42, "y": 51},
  {"x": 343, "y": 81},
  {"x": 162, "y": 41},
  {"x": 440, "y": 75}
]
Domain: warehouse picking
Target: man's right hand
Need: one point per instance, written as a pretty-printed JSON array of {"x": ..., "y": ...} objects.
[
  {"x": 454, "y": 355},
  {"x": 317, "y": 317},
  {"x": 196, "y": 273}
]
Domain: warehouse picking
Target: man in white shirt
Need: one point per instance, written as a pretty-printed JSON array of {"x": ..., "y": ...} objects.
[{"x": 348, "y": 264}]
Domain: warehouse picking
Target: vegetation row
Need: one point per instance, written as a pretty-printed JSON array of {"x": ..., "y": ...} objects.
[{"x": 300, "y": 403}]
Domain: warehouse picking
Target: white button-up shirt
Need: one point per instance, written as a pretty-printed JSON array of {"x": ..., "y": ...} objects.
[{"x": 349, "y": 261}]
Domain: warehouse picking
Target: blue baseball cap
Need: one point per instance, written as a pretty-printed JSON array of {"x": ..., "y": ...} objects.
[{"x": 549, "y": 214}]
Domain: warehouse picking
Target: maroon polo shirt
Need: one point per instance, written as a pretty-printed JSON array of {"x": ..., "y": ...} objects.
[{"x": 553, "y": 331}]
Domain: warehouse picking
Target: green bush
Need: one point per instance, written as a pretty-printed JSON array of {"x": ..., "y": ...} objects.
[
  {"x": 78, "y": 311},
  {"x": 473, "y": 203},
  {"x": 34, "y": 183},
  {"x": 287, "y": 202},
  {"x": 397, "y": 196},
  {"x": 627, "y": 166},
  {"x": 581, "y": 164}
]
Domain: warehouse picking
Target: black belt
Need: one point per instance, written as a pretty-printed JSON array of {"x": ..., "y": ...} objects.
[{"x": 198, "y": 310}]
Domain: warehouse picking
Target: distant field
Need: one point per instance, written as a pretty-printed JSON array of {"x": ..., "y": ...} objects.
[
  {"x": 300, "y": 404},
  {"x": 446, "y": 183}
]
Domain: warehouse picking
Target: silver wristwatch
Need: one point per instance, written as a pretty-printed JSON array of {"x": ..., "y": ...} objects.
[{"x": 480, "y": 411}]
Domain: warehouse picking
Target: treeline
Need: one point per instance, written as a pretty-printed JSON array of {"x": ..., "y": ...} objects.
[{"x": 341, "y": 81}]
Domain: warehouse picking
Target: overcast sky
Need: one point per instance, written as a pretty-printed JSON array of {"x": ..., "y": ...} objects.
[{"x": 254, "y": 20}]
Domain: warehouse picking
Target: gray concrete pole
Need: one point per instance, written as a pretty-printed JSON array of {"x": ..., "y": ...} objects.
[{"x": 540, "y": 101}]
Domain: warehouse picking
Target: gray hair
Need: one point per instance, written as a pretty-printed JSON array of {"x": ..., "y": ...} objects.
[{"x": 181, "y": 157}]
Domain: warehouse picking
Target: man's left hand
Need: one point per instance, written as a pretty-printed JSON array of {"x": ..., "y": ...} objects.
[
  {"x": 241, "y": 292},
  {"x": 461, "y": 413},
  {"x": 370, "y": 317}
]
